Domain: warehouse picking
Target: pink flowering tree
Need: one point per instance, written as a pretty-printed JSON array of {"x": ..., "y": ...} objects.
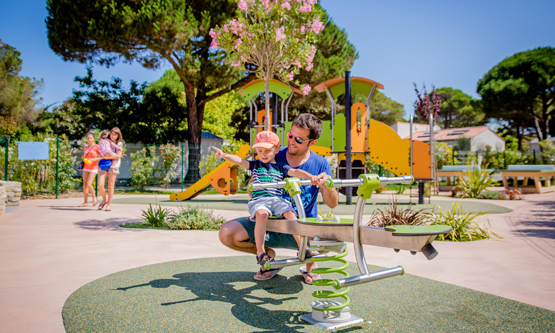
[
  {"x": 427, "y": 104},
  {"x": 272, "y": 38}
]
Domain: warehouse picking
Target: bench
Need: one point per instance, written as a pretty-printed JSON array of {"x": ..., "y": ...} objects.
[
  {"x": 542, "y": 174},
  {"x": 449, "y": 171}
]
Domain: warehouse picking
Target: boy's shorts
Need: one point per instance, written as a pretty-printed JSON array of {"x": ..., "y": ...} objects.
[
  {"x": 275, "y": 206},
  {"x": 273, "y": 239}
]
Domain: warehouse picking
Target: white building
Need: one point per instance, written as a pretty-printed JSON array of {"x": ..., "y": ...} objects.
[
  {"x": 480, "y": 137},
  {"x": 403, "y": 129}
]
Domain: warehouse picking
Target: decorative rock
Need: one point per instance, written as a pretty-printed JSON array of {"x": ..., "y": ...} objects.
[{"x": 12, "y": 192}]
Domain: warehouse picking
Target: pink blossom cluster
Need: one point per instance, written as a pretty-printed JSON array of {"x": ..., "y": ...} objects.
[
  {"x": 306, "y": 89},
  {"x": 214, "y": 36},
  {"x": 279, "y": 34}
]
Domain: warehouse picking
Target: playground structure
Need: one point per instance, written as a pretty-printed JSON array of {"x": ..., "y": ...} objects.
[
  {"x": 354, "y": 146},
  {"x": 331, "y": 236}
]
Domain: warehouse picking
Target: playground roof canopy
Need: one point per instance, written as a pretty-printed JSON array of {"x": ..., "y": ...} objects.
[
  {"x": 358, "y": 84},
  {"x": 255, "y": 87}
]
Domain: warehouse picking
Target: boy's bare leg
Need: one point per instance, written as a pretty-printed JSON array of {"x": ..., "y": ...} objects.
[
  {"x": 309, "y": 266},
  {"x": 260, "y": 230}
]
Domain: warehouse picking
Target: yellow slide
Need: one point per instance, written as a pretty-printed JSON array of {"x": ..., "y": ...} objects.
[{"x": 223, "y": 178}]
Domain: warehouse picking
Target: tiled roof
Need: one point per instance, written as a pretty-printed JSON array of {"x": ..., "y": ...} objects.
[{"x": 450, "y": 134}]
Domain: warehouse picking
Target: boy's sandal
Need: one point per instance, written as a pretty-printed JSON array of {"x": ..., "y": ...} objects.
[
  {"x": 263, "y": 258},
  {"x": 307, "y": 274},
  {"x": 308, "y": 253}
]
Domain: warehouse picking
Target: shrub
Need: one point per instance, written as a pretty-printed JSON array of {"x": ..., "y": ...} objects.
[
  {"x": 195, "y": 218},
  {"x": 444, "y": 155},
  {"x": 548, "y": 151},
  {"x": 492, "y": 195},
  {"x": 395, "y": 215},
  {"x": 143, "y": 167},
  {"x": 477, "y": 181},
  {"x": 169, "y": 154},
  {"x": 464, "y": 227},
  {"x": 156, "y": 217}
]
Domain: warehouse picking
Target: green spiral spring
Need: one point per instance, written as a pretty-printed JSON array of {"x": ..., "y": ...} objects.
[{"x": 327, "y": 282}]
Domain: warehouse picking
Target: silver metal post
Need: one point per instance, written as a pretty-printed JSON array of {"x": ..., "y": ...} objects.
[
  {"x": 354, "y": 280},
  {"x": 359, "y": 251}
]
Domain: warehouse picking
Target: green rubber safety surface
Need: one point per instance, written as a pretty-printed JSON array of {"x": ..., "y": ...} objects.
[
  {"x": 220, "y": 295},
  {"x": 418, "y": 230}
]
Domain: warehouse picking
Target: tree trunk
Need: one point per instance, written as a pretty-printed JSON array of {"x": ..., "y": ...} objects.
[
  {"x": 195, "y": 114},
  {"x": 267, "y": 103}
]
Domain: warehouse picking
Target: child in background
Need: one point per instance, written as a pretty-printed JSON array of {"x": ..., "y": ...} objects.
[
  {"x": 105, "y": 146},
  {"x": 267, "y": 202}
]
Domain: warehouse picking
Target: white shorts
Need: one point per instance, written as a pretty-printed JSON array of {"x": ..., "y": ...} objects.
[
  {"x": 89, "y": 170},
  {"x": 116, "y": 171},
  {"x": 275, "y": 206}
]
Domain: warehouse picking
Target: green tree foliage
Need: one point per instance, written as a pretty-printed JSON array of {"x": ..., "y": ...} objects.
[
  {"x": 521, "y": 90},
  {"x": 219, "y": 112},
  {"x": 152, "y": 32},
  {"x": 385, "y": 109},
  {"x": 458, "y": 109},
  {"x": 18, "y": 94},
  {"x": 64, "y": 121},
  {"x": 335, "y": 55}
]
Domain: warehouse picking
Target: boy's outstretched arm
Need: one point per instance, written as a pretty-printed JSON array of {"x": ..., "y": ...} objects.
[{"x": 232, "y": 158}]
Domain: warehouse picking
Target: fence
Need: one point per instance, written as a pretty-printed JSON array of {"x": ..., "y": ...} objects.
[{"x": 58, "y": 173}]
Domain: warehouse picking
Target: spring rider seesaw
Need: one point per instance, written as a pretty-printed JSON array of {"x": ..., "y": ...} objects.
[{"x": 331, "y": 237}]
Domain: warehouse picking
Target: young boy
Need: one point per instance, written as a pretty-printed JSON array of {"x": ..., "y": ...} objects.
[{"x": 267, "y": 202}]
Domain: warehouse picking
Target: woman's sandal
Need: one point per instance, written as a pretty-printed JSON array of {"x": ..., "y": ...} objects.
[
  {"x": 101, "y": 206},
  {"x": 84, "y": 205}
]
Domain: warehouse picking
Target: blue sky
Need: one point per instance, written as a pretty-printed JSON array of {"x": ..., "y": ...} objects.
[{"x": 439, "y": 43}]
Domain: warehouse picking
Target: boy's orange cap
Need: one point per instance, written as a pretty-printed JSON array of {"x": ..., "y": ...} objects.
[{"x": 266, "y": 139}]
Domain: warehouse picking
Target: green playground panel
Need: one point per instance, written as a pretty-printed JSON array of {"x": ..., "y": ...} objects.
[
  {"x": 356, "y": 86},
  {"x": 313, "y": 220},
  {"x": 339, "y": 139},
  {"x": 418, "y": 230},
  {"x": 279, "y": 88}
]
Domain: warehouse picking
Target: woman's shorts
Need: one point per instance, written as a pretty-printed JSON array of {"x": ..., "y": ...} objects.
[
  {"x": 91, "y": 170},
  {"x": 116, "y": 171}
]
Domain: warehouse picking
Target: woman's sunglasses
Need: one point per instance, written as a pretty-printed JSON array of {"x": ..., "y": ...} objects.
[{"x": 297, "y": 139}]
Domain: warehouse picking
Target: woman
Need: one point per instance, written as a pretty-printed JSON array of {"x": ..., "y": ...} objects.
[
  {"x": 115, "y": 136},
  {"x": 89, "y": 169}
]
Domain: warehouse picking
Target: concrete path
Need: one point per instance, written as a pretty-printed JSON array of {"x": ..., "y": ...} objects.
[{"x": 50, "y": 248}]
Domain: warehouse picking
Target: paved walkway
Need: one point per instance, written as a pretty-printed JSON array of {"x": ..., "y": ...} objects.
[{"x": 50, "y": 248}]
